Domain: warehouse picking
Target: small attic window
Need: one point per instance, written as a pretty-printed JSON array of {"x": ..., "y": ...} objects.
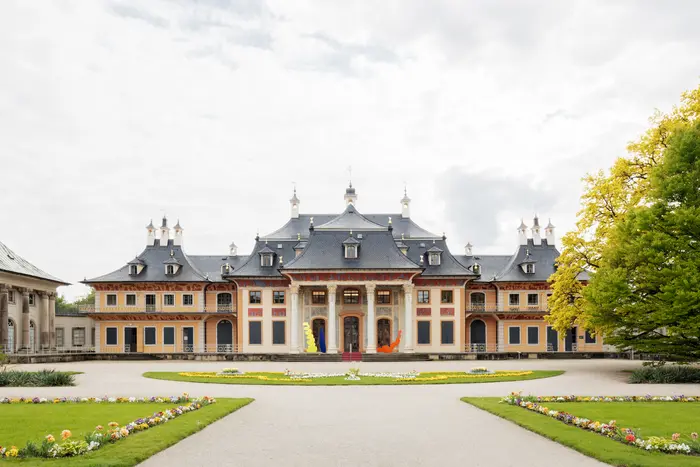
[
  {"x": 169, "y": 269},
  {"x": 133, "y": 270},
  {"x": 422, "y": 245},
  {"x": 266, "y": 260},
  {"x": 359, "y": 236},
  {"x": 351, "y": 251},
  {"x": 530, "y": 268},
  {"x": 434, "y": 258},
  {"x": 279, "y": 246}
]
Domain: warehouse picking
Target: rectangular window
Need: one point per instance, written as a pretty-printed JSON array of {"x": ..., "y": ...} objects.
[
  {"x": 131, "y": 299},
  {"x": 60, "y": 337},
  {"x": 514, "y": 299},
  {"x": 533, "y": 299},
  {"x": 351, "y": 251},
  {"x": 278, "y": 297},
  {"x": 514, "y": 335},
  {"x": 424, "y": 296},
  {"x": 187, "y": 299},
  {"x": 31, "y": 299},
  {"x": 266, "y": 260},
  {"x": 11, "y": 296},
  {"x": 150, "y": 302},
  {"x": 169, "y": 299},
  {"x": 533, "y": 335},
  {"x": 530, "y": 268},
  {"x": 590, "y": 338},
  {"x": 424, "y": 332},
  {"x": 78, "y": 337},
  {"x": 255, "y": 297},
  {"x": 383, "y": 297},
  {"x": 351, "y": 296},
  {"x": 445, "y": 296},
  {"x": 278, "y": 333},
  {"x": 149, "y": 336},
  {"x": 169, "y": 336},
  {"x": 111, "y": 299},
  {"x": 318, "y": 297},
  {"x": 111, "y": 336},
  {"x": 254, "y": 332},
  {"x": 447, "y": 332}
]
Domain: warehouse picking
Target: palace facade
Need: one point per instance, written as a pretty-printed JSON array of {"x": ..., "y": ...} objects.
[{"x": 362, "y": 282}]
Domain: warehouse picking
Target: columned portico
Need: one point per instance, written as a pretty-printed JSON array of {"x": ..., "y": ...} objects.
[
  {"x": 371, "y": 322},
  {"x": 332, "y": 332},
  {"x": 408, "y": 318},
  {"x": 294, "y": 321}
]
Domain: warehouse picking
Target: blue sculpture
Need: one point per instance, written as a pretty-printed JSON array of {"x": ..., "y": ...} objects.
[{"x": 322, "y": 340}]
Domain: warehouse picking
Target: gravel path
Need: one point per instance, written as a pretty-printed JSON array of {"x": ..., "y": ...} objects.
[{"x": 366, "y": 425}]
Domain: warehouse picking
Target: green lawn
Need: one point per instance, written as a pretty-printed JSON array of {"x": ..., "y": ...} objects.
[
  {"x": 652, "y": 417},
  {"x": 21, "y": 422},
  {"x": 279, "y": 379}
]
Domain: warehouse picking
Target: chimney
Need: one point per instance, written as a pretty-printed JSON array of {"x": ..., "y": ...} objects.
[
  {"x": 522, "y": 233},
  {"x": 536, "y": 237},
  {"x": 177, "y": 240},
  {"x": 549, "y": 234},
  {"x": 151, "y": 236},
  {"x": 164, "y": 232}
]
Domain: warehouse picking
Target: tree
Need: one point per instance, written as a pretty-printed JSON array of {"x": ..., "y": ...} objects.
[
  {"x": 607, "y": 198},
  {"x": 645, "y": 293},
  {"x": 63, "y": 306}
]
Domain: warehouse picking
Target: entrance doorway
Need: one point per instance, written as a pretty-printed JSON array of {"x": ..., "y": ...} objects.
[
  {"x": 552, "y": 339},
  {"x": 477, "y": 336},
  {"x": 383, "y": 332},
  {"x": 130, "y": 339},
  {"x": 316, "y": 325},
  {"x": 224, "y": 336},
  {"x": 188, "y": 339},
  {"x": 570, "y": 340},
  {"x": 351, "y": 334}
]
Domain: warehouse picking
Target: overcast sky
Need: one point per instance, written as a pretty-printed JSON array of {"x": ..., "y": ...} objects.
[{"x": 116, "y": 112}]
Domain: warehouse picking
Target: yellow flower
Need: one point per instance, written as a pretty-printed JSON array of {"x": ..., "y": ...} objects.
[
  {"x": 50, "y": 439},
  {"x": 65, "y": 434}
]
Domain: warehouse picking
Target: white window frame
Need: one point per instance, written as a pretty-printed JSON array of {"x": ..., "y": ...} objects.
[
  {"x": 169, "y": 270},
  {"x": 174, "y": 335},
  {"x": 63, "y": 336},
  {"x": 72, "y": 336},
  {"x": 191, "y": 299},
  {"x": 513, "y": 295},
  {"x": 527, "y": 335},
  {"x": 528, "y": 299},
  {"x": 106, "y": 342},
  {"x": 116, "y": 299},
  {"x": 171, "y": 295},
  {"x": 418, "y": 297},
  {"x": 32, "y": 300},
  {"x": 155, "y": 335},
  {"x": 351, "y": 252},
  {"x": 11, "y": 296},
  {"x": 133, "y": 270},
  {"x": 126, "y": 299},
  {"x": 266, "y": 260},
  {"x": 520, "y": 335},
  {"x": 434, "y": 258},
  {"x": 529, "y": 268}
]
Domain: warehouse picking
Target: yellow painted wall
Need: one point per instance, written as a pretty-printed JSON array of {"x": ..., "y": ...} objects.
[
  {"x": 159, "y": 325},
  {"x": 141, "y": 301},
  {"x": 435, "y": 318}
]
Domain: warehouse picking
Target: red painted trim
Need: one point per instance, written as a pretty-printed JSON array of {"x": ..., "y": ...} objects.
[
  {"x": 423, "y": 311},
  {"x": 255, "y": 312}
]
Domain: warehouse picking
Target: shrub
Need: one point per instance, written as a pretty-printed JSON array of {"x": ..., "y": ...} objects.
[
  {"x": 666, "y": 374},
  {"x": 40, "y": 378}
]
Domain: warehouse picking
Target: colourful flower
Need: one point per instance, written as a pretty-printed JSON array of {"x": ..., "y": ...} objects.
[
  {"x": 50, "y": 439},
  {"x": 694, "y": 435},
  {"x": 630, "y": 438},
  {"x": 99, "y": 428},
  {"x": 65, "y": 434},
  {"x": 676, "y": 436},
  {"x": 113, "y": 424}
]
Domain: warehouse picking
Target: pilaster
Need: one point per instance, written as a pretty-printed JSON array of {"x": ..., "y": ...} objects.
[
  {"x": 408, "y": 318},
  {"x": 4, "y": 316},
  {"x": 500, "y": 338},
  {"x": 44, "y": 334},
  {"x": 332, "y": 333},
  {"x": 52, "y": 321},
  {"x": 294, "y": 321},
  {"x": 200, "y": 337},
  {"x": 98, "y": 339},
  {"x": 25, "y": 319},
  {"x": 371, "y": 322}
]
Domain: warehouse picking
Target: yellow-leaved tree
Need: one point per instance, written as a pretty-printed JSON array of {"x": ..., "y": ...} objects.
[{"x": 606, "y": 199}]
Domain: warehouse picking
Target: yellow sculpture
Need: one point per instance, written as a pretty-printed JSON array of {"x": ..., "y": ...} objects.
[{"x": 310, "y": 341}]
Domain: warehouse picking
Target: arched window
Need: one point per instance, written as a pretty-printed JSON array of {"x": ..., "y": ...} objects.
[
  {"x": 351, "y": 296},
  {"x": 224, "y": 336},
  {"x": 10, "y": 336},
  {"x": 478, "y": 301},
  {"x": 477, "y": 336}
]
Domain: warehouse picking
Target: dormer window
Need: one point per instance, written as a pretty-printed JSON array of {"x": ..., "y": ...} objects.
[
  {"x": 351, "y": 251},
  {"x": 434, "y": 259},
  {"x": 170, "y": 270},
  {"x": 530, "y": 268},
  {"x": 352, "y": 247},
  {"x": 266, "y": 260},
  {"x": 136, "y": 265},
  {"x": 133, "y": 270}
]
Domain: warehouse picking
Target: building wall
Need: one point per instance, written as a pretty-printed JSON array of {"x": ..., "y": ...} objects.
[
  {"x": 140, "y": 330},
  {"x": 67, "y": 323},
  {"x": 263, "y": 313},
  {"x": 436, "y": 312}
]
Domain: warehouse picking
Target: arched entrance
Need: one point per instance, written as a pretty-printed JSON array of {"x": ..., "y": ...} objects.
[
  {"x": 224, "y": 302},
  {"x": 224, "y": 336},
  {"x": 477, "y": 336},
  {"x": 316, "y": 325},
  {"x": 32, "y": 335},
  {"x": 10, "y": 336},
  {"x": 383, "y": 332},
  {"x": 351, "y": 334}
]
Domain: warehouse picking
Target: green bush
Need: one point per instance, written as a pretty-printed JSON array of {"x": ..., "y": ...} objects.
[
  {"x": 666, "y": 374},
  {"x": 36, "y": 378}
]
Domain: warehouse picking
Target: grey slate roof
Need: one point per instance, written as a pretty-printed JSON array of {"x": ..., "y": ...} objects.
[
  {"x": 154, "y": 256},
  {"x": 15, "y": 264},
  {"x": 210, "y": 265},
  {"x": 350, "y": 219},
  {"x": 448, "y": 266},
  {"x": 252, "y": 268},
  {"x": 377, "y": 250}
]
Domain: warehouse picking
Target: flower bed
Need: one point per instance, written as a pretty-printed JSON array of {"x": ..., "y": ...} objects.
[
  {"x": 610, "y": 429},
  {"x": 49, "y": 447}
]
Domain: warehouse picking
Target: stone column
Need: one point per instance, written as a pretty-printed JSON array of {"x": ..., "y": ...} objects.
[
  {"x": 500, "y": 338},
  {"x": 408, "y": 318},
  {"x": 98, "y": 338},
  {"x": 43, "y": 320},
  {"x": 25, "y": 319},
  {"x": 371, "y": 322},
  {"x": 52, "y": 321},
  {"x": 4, "y": 316},
  {"x": 332, "y": 333},
  {"x": 200, "y": 347},
  {"x": 294, "y": 321}
]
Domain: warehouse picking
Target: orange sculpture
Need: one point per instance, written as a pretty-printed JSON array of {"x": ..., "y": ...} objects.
[{"x": 390, "y": 348}]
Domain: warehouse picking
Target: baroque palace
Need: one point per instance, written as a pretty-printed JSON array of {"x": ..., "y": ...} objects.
[{"x": 361, "y": 282}]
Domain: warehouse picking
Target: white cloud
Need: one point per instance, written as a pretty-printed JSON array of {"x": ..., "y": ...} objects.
[{"x": 114, "y": 112}]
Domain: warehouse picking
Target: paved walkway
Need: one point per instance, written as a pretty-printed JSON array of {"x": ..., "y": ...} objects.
[{"x": 367, "y": 425}]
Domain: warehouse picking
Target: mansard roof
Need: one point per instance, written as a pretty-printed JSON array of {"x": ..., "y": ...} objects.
[
  {"x": 251, "y": 267},
  {"x": 350, "y": 219},
  {"x": 377, "y": 250},
  {"x": 15, "y": 264},
  {"x": 448, "y": 266}
]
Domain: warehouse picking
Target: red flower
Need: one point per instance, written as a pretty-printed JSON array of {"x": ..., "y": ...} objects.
[{"x": 630, "y": 438}]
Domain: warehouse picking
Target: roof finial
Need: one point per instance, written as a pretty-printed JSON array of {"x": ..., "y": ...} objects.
[{"x": 257, "y": 234}]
